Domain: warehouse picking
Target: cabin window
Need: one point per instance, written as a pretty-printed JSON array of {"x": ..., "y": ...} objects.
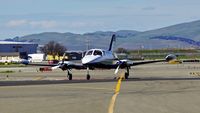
[
  {"x": 89, "y": 52},
  {"x": 97, "y": 52},
  {"x": 104, "y": 52}
]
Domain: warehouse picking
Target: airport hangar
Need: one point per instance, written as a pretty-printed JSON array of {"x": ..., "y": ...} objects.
[
  {"x": 10, "y": 50},
  {"x": 15, "y": 50}
]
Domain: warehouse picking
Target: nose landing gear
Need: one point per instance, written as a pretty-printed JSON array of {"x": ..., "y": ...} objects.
[
  {"x": 69, "y": 75},
  {"x": 88, "y": 75},
  {"x": 127, "y": 73}
]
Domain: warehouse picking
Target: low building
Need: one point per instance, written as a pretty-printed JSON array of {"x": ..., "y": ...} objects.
[
  {"x": 10, "y": 57},
  {"x": 38, "y": 57},
  {"x": 10, "y": 47},
  {"x": 69, "y": 55}
]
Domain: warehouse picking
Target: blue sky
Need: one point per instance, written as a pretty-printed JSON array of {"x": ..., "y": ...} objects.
[{"x": 23, "y": 17}]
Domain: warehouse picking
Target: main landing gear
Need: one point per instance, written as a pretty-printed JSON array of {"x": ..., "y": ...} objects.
[
  {"x": 127, "y": 73},
  {"x": 69, "y": 75},
  {"x": 88, "y": 75}
]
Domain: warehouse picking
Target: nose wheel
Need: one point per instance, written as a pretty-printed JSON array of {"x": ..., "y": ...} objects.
[
  {"x": 127, "y": 73},
  {"x": 69, "y": 75},
  {"x": 88, "y": 75}
]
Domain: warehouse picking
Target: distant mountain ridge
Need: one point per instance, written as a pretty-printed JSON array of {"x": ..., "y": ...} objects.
[
  {"x": 180, "y": 35},
  {"x": 189, "y": 41},
  {"x": 121, "y": 33}
]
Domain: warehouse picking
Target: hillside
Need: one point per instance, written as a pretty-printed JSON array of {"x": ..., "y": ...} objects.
[
  {"x": 181, "y": 35},
  {"x": 188, "y": 31},
  {"x": 73, "y": 41}
]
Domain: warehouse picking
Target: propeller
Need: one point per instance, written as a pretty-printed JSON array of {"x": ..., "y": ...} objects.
[
  {"x": 117, "y": 69},
  {"x": 60, "y": 65},
  {"x": 63, "y": 59},
  {"x": 55, "y": 67},
  {"x": 121, "y": 63}
]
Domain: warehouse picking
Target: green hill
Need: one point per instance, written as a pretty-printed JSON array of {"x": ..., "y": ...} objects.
[{"x": 181, "y": 36}]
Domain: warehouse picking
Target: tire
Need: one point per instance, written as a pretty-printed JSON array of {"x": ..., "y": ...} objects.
[
  {"x": 70, "y": 76},
  {"x": 126, "y": 75},
  {"x": 88, "y": 77}
]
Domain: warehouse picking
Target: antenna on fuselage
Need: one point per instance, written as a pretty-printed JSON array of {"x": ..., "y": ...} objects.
[
  {"x": 87, "y": 43},
  {"x": 111, "y": 42}
]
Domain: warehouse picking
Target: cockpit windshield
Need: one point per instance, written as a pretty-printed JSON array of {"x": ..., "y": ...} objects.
[
  {"x": 94, "y": 52},
  {"x": 89, "y": 52},
  {"x": 97, "y": 52}
]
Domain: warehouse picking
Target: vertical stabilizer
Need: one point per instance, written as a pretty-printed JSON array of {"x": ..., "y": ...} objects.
[{"x": 111, "y": 42}]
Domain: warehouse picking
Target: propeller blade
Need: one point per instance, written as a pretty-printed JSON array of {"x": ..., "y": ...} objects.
[
  {"x": 63, "y": 59},
  {"x": 117, "y": 69},
  {"x": 55, "y": 67}
]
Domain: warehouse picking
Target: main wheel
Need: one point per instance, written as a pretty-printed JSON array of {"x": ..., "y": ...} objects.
[
  {"x": 126, "y": 75},
  {"x": 88, "y": 77},
  {"x": 70, "y": 76}
]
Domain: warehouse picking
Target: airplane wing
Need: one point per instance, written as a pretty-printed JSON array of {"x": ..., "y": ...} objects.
[
  {"x": 191, "y": 60},
  {"x": 135, "y": 63},
  {"x": 36, "y": 64},
  {"x": 73, "y": 66},
  {"x": 62, "y": 65},
  {"x": 146, "y": 62}
]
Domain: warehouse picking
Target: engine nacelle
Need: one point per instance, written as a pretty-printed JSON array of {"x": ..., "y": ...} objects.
[{"x": 170, "y": 57}]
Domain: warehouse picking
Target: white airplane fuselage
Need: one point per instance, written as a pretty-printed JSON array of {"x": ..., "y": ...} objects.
[{"x": 96, "y": 56}]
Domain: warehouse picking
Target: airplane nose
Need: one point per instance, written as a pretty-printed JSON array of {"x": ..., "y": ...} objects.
[
  {"x": 89, "y": 59},
  {"x": 85, "y": 60}
]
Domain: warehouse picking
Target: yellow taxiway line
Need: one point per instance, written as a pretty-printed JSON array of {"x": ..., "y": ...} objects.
[{"x": 117, "y": 90}]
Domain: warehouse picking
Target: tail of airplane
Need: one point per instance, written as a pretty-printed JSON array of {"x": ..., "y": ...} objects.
[{"x": 111, "y": 42}]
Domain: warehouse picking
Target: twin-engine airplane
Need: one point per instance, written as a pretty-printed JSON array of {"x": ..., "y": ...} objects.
[{"x": 103, "y": 59}]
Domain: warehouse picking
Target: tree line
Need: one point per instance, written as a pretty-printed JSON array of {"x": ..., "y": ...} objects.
[{"x": 53, "y": 48}]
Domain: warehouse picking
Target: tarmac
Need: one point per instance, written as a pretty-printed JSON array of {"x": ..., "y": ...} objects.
[{"x": 152, "y": 88}]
